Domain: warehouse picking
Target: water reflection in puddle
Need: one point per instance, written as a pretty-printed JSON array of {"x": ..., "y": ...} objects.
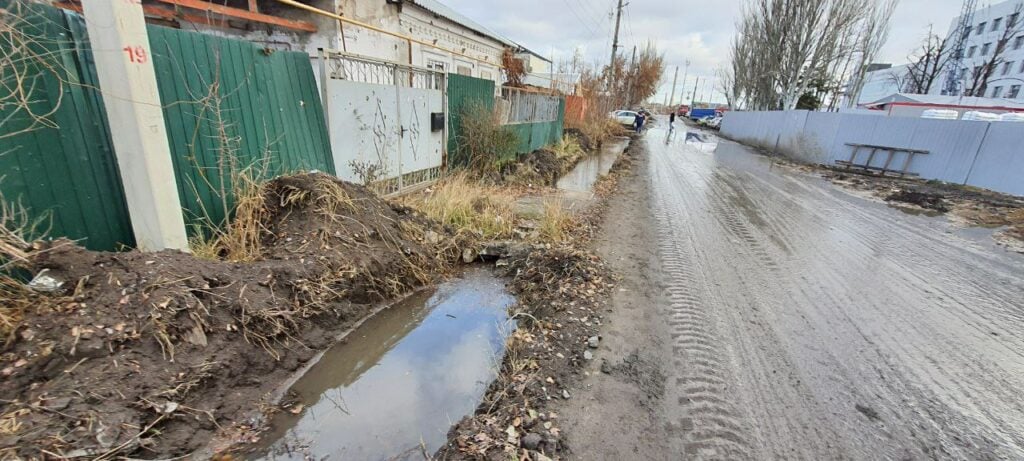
[
  {"x": 401, "y": 379},
  {"x": 591, "y": 168}
]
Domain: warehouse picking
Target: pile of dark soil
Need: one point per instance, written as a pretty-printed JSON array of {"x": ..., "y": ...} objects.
[
  {"x": 541, "y": 167},
  {"x": 922, "y": 199},
  {"x": 149, "y": 355},
  {"x": 585, "y": 142}
]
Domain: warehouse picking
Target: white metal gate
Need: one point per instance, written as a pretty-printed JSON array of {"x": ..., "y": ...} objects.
[{"x": 379, "y": 117}]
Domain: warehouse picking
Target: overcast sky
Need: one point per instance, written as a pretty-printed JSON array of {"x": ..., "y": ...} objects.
[{"x": 694, "y": 30}]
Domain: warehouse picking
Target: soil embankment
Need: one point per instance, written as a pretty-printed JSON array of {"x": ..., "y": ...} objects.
[{"x": 151, "y": 354}]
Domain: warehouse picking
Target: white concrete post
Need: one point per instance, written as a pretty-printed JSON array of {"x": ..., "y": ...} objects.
[{"x": 120, "y": 44}]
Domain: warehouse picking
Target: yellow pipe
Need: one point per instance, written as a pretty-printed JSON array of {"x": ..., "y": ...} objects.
[{"x": 409, "y": 39}]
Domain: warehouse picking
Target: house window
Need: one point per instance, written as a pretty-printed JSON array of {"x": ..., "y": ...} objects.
[
  {"x": 1007, "y": 67},
  {"x": 981, "y": 27},
  {"x": 998, "y": 22},
  {"x": 963, "y": 73},
  {"x": 436, "y": 65},
  {"x": 984, "y": 49},
  {"x": 997, "y": 91},
  {"x": 1018, "y": 42},
  {"x": 971, "y": 51},
  {"x": 1021, "y": 70},
  {"x": 967, "y": 31},
  {"x": 1012, "y": 21},
  {"x": 1014, "y": 92},
  {"x": 464, "y": 70},
  {"x": 486, "y": 75}
]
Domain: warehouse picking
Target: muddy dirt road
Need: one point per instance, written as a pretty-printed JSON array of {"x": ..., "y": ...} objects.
[{"x": 789, "y": 319}]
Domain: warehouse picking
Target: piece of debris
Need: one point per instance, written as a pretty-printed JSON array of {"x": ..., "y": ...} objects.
[
  {"x": 44, "y": 283},
  {"x": 593, "y": 342},
  {"x": 924, "y": 200}
]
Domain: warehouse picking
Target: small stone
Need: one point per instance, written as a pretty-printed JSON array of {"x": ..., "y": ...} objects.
[
  {"x": 587, "y": 355},
  {"x": 593, "y": 341},
  {"x": 468, "y": 255},
  {"x": 606, "y": 367},
  {"x": 432, "y": 237},
  {"x": 531, "y": 441},
  {"x": 565, "y": 394}
]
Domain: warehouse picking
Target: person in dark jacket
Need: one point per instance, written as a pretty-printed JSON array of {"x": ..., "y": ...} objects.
[
  {"x": 671, "y": 121},
  {"x": 638, "y": 121}
]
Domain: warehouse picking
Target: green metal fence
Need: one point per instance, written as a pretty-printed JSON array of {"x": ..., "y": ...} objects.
[
  {"x": 228, "y": 105},
  {"x": 56, "y": 158},
  {"x": 533, "y": 136},
  {"x": 462, "y": 90},
  {"x": 232, "y": 106}
]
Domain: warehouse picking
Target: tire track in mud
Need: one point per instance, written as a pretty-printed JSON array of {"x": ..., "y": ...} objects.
[
  {"x": 900, "y": 346},
  {"x": 710, "y": 426}
]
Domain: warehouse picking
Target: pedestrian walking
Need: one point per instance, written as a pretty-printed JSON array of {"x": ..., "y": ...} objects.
[
  {"x": 638, "y": 121},
  {"x": 672, "y": 120}
]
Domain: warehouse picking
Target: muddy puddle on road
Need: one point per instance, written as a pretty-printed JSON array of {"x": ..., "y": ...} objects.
[
  {"x": 583, "y": 176},
  {"x": 400, "y": 380}
]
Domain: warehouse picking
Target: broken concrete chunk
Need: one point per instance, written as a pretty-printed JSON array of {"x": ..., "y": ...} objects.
[{"x": 593, "y": 341}]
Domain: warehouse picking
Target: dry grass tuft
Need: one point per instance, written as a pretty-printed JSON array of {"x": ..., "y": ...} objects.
[
  {"x": 16, "y": 228},
  {"x": 556, "y": 221},
  {"x": 466, "y": 204}
]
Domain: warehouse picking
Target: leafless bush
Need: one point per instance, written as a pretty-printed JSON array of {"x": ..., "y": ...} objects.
[
  {"x": 484, "y": 142},
  {"x": 28, "y": 60}
]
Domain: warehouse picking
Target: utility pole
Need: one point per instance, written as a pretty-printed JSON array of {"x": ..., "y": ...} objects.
[
  {"x": 672, "y": 95},
  {"x": 694, "y": 98},
  {"x": 615, "y": 45},
  {"x": 629, "y": 84},
  {"x": 682, "y": 89}
]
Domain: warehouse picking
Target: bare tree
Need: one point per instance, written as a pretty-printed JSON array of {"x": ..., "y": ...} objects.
[
  {"x": 783, "y": 46},
  {"x": 635, "y": 82},
  {"x": 926, "y": 64},
  {"x": 873, "y": 33},
  {"x": 982, "y": 75}
]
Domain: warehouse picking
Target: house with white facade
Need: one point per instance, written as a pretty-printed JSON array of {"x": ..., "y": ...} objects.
[
  {"x": 994, "y": 39},
  {"x": 442, "y": 37}
]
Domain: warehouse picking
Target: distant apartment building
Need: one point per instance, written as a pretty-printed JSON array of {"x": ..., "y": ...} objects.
[
  {"x": 880, "y": 81},
  {"x": 991, "y": 26}
]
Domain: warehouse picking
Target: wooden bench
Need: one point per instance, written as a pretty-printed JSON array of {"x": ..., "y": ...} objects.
[{"x": 891, "y": 154}]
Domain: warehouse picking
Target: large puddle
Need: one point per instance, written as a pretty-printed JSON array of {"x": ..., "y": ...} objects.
[
  {"x": 401, "y": 380},
  {"x": 591, "y": 168}
]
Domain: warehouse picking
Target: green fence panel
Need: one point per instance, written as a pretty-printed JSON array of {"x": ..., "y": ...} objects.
[
  {"x": 461, "y": 91},
  {"x": 533, "y": 136},
  {"x": 228, "y": 105},
  {"x": 232, "y": 106},
  {"x": 56, "y": 158}
]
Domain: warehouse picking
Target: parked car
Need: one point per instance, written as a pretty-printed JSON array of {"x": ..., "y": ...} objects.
[
  {"x": 714, "y": 123},
  {"x": 625, "y": 117},
  {"x": 703, "y": 121}
]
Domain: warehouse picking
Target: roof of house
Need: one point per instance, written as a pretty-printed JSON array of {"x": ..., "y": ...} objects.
[
  {"x": 444, "y": 11},
  {"x": 950, "y": 101}
]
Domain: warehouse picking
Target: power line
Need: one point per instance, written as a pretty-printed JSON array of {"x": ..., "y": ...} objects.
[{"x": 580, "y": 19}]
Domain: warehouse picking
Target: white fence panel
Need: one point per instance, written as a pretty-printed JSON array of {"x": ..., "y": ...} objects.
[
  {"x": 1000, "y": 162},
  {"x": 982, "y": 154},
  {"x": 379, "y": 117}
]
